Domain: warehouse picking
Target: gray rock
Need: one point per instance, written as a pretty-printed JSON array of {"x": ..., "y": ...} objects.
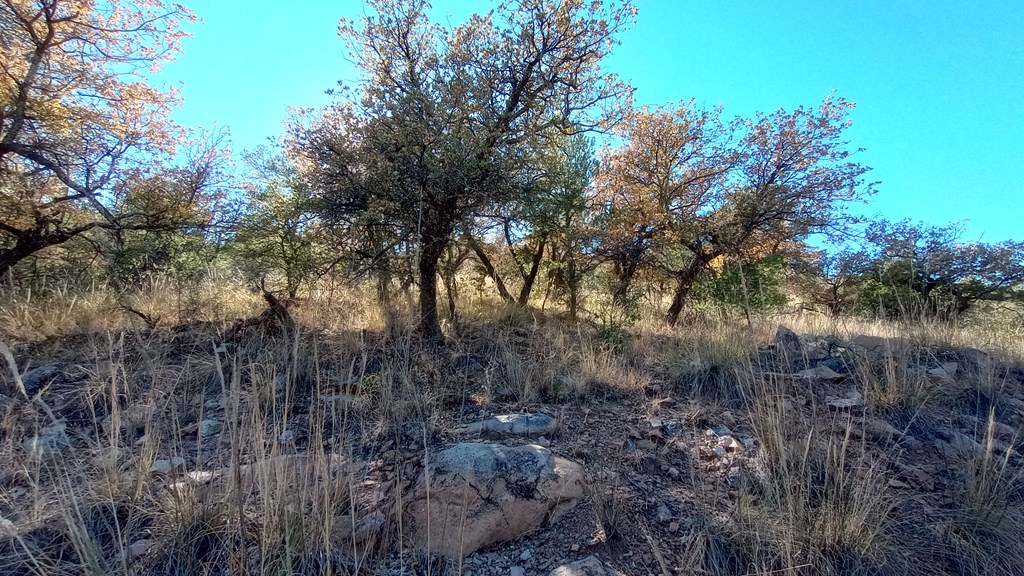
[
  {"x": 589, "y": 566},
  {"x": 664, "y": 513},
  {"x": 513, "y": 425},
  {"x": 137, "y": 549},
  {"x": 168, "y": 466},
  {"x": 363, "y": 529},
  {"x": 945, "y": 373},
  {"x": 852, "y": 400},
  {"x": 209, "y": 428},
  {"x": 719, "y": 431},
  {"x": 962, "y": 443},
  {"x": 7, "y": 528},
  {"x": 836, "y": 363},
  {"x": 475, "y": 494},
  {"x": 517, "y": 571},
  {"x": 819, "y": 373},
  {"x": 40, "y": 376},
  {"x": 879, "y": 345},
  {"x": 788, "y": 343},
  {"x": 730, "y": 444},
  {"x": 526, "y": 555},
  {"x": 50, "y": 441}
]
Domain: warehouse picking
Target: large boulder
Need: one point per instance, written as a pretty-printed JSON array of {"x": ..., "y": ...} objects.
[
  {"x": 788, "y": 343},
  {"x": 475, "y": 494}
]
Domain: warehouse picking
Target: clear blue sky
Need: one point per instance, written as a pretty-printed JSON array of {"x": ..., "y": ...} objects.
[{"x": 939, "y": 85}]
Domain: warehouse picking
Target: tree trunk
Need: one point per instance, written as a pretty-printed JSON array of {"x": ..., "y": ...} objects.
[
  {"x": 573, "y": 283},
  {"x": 489, "y": 267},
  {"x": 625, "y": 278},
  {"x": 451, "y": 268},
  {"x": 684, "y": 285},
  {"x": 528, "y": 280},
  {"x": 385, "y": 302},
  {"x": 432, "y": 246}
]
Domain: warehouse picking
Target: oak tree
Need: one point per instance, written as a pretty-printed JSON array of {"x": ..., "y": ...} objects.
[
  {"x": 83, "y": 136},
  {"x": 444, "y": 122},
  {"x": 945, "y": 274},
  {"x": 687, "y": 189}
]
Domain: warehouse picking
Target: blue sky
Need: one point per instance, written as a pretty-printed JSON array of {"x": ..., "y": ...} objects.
[{"x": 939, "y": 85}]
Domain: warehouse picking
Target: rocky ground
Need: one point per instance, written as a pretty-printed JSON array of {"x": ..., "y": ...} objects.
[{"x": 686, "y": 472}]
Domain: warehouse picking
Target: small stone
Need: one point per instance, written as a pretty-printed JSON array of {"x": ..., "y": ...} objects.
[
  {"x": 589, "y": 566},
  {"x": 673, "y": 472},
  {"x": 719, "y": 451},
  {"x": 663, "y": 403},
  {"x": 287, "y": 437},
  {"x": 941, "y": 374},
  {"x": 544, "y": 442},
  {"x": 950, "y": 368},
  {"x": 137, "y": 549},
  {"x": 878, "y": 429},
  {"x": 368, "y": 526},
  {"x": 734, "y": 477},
  {"x": 209, "y": 428},
  {"x": 574, "y": 548},
  {"x": 730, "y": 444},
  {"x": 168, "y": 466},
  {"x": 203, "y": 476},
  {"x": 38, "y": 377},
  {"x": 526, "y": 555},
  {"x": 7, "y": 528},
  {"x": 664, "y": 513},
  {"x": 339, "y": 401},
  {"x": 517, "y": 571},
  {"x": 820, "y": 373},
  {"x": 50, "y": 440},
  {"x": 673, "y": 527},
  {"x": 844, "y": 403},
  {"x": 721, "y": 430},
  {"x": 108, "y": 455}
]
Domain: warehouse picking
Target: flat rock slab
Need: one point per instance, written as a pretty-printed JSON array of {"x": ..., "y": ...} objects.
[
  {"x": 589, "y": 566},
  {"x": 475, "y": 494},
  {"x": 820, "y": 373},
  {"x": 852, "y": 400},
  {"x": 513, "y": 425},
  {"x": 880, "y": 344}
]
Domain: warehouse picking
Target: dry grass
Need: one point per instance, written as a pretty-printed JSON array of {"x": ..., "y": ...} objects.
[{"x": 306, "y": 413}]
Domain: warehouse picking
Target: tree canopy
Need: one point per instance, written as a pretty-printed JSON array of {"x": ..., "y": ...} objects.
[
  {"x": 85, "y": 141},
  {"x": 444, "y": 123}
]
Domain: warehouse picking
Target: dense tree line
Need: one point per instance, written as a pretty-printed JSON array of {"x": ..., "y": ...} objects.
[{"x": 463, "y": 153}]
